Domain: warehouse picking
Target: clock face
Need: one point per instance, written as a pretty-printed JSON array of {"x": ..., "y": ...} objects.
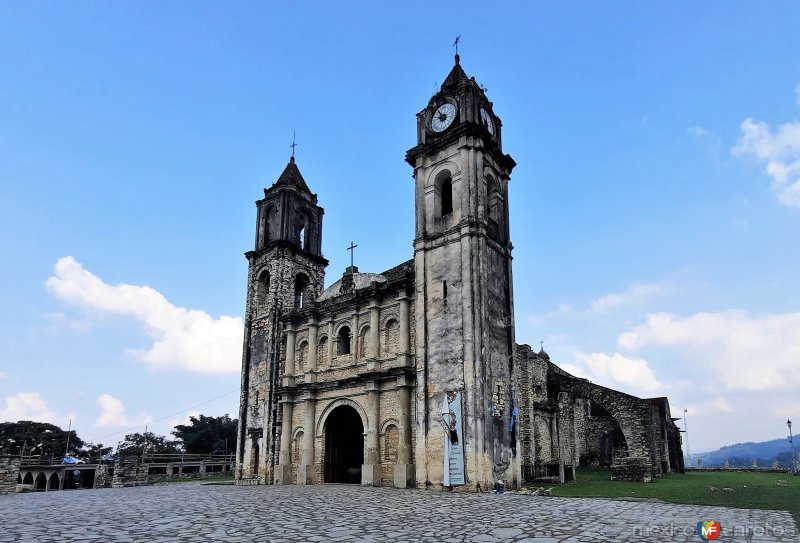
[
  {"x": 486, "y": 119},
  {"x": 443, "y": 117}
]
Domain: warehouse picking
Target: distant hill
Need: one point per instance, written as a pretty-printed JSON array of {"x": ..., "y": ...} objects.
[{"x": 741, "y": 455}]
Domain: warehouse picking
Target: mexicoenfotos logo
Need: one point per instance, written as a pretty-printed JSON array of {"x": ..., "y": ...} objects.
[{"x": 708, "y": 530}]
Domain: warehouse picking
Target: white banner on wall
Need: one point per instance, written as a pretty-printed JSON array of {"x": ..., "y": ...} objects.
[{"x": 453, "y": 440}]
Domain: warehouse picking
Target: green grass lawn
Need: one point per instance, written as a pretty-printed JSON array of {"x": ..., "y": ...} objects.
[{"x": 751, "y": 490}]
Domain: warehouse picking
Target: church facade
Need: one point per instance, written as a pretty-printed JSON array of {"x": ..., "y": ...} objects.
[{"x": 412, "y": 377}]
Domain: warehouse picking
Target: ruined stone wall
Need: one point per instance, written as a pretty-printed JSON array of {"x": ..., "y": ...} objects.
[
  {"x": 9, "y": 471},
  {"x": 562, "y": 427}
]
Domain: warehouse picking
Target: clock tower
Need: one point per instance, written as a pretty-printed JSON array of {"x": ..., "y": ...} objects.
[{"x": 463, "y": 293}]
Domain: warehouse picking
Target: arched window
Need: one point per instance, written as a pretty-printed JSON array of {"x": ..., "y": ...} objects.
[
  {"x": 443, "y": 194},
  {"x": 322, "y": 352},
  {"x": 343, "y": 340},
  {"x": 262, "y": 290},
  {"x": 447, "y": 196},
  {"x": 391, "y": 335},
  {"x": 364, "y": 348},
  {"x": 302, "y": 356},
  {"x": 390, "y": 444},
  {"x": 303, "y": 239},
  {"x": 300, "y": 290},
  {"x": 297, "y": 448},
  {"x": 254, "y": 454}
]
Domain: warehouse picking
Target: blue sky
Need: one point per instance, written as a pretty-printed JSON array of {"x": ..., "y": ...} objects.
[{"x": 655, "y": 208}]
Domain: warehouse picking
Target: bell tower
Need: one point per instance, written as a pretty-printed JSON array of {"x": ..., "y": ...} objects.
[
  {"x": 463, "y": 300},
  {"x": 286, "y": 271}
]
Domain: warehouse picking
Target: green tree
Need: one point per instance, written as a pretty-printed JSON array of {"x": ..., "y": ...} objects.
[
  {"x": 93, "y": 450},
  {"x": 37, "y": 438},
  {"x": 134, "y": 445},
  {"x": 207, "y": 435}
]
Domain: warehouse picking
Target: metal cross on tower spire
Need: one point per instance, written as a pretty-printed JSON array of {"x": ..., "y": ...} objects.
[
  {"x": 293, "y": 145},
  {"x": 351, "y": 249},
  {"x": 456, "y": 42}
]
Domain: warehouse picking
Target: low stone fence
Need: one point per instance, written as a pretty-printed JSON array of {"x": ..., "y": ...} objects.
[{"x": 733, "y": 469}]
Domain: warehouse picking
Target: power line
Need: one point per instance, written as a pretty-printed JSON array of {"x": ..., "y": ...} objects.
[{"x": 182, "y": 411}]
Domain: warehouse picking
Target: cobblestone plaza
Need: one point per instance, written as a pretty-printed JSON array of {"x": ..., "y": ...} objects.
[{"x": 200, "y": 513}]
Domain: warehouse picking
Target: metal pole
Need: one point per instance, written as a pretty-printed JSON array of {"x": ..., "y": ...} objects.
[
  {"x": 686, "y": 430},
  {"x": 68, "y": 433},
  {"x": 791, "y": 443}
]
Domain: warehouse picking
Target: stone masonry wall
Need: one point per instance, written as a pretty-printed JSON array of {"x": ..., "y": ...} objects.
[{"x": 9, "y": 471}]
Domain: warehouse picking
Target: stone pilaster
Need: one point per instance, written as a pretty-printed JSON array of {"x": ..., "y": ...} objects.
[
  {"x": 288, "y": 370},
  {"x": 306, "y": 472},
  {"x": 331, "y": 343},
  {"x": 404, "y": 469},
  {"x": 283, "y": 474},
  {"x": 313, "y": 344},
  {"x": 404, "y": 339},
  {"x": 373, "y": 364},
  {"x": 374, "y": 330},
  {"x": 371, "y": 470}
]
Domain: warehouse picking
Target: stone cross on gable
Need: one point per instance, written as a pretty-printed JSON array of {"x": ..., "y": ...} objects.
[{"x": 352, "y": 250}]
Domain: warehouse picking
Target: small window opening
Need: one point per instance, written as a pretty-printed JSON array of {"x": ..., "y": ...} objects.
[
  {"x": 447, "y": 196},
  {"x": 302, "y": 241},
  {"x": 344, "y": 340},
  {"x": 300, "y": 286},
  {"x": 444, "y": 290}
]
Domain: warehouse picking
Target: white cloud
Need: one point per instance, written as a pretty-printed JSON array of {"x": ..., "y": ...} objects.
[
  {"x": 780, "y": 149},
  {"x": 615, "y": 370},
  {"x": 112, "y": 414},
  {"x": 698, "y": 131},
  {"x": 31, "y": 406},
  {"x": 185, "y": 420},
  {"x": 710, "y": 407},
  {"x": 741, "y": 351},
  {"x": 788, "y": 409},
  {"x": 562, "y": 311},
  {"x": 637, "y": 294},
  {"x": 577, "y": 371},
  {"x": 182, "y": 338}
]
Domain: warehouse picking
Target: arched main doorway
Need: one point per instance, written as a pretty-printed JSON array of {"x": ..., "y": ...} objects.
[{"x": 344, "y": 446}]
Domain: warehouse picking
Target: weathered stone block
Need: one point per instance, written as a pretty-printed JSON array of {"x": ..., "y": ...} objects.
[
  {"x": 306, "y": 474},
  {"x": 283, "y": 475},
  {"x": 404, "y": 475},
  {"x": 371, "y": 475}
]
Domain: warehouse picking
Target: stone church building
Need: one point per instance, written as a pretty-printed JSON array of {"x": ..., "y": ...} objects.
[{"x": 411, "y": 377}]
